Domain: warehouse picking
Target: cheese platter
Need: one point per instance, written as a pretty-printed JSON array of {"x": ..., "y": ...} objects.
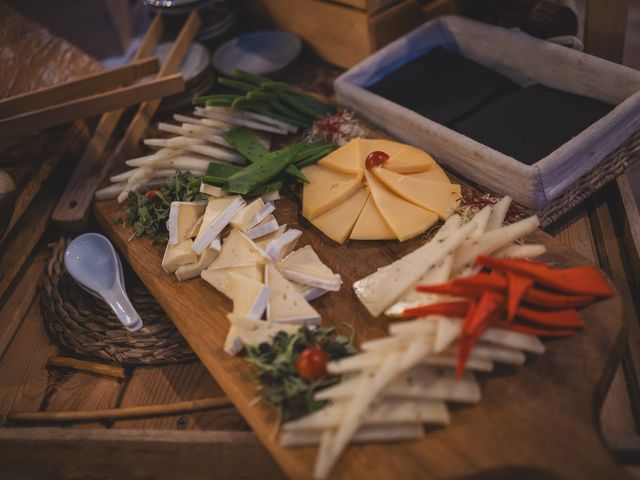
[{"x": 346, "y": 252}]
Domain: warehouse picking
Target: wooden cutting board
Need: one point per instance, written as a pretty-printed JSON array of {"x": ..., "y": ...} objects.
[{"x": 539, "y": 420}]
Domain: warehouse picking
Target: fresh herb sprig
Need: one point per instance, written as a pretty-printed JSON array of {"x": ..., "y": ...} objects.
[
  {"x": 275, "y": 366},
  {"x": 147, "y": 212}
]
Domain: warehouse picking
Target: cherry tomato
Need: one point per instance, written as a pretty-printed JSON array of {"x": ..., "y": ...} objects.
[
  {"x": 312, "y": 363},
  {"x": 375, "y": 159},
  {"x": 151, "y": 194}
]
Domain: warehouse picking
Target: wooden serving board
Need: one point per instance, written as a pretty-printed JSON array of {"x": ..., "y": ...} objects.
[{"x": 536, "y": 420}]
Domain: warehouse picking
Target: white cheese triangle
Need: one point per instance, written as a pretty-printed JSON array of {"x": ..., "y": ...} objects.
[
  {"x": 182, "y": 218},
  {"x": 304, "y": 266},
  {"x": 249, "y": 296},
  {"x": 252, "y": 214},
  {"x": 268, "y": 225},
  {"x": 218, "y": 214},
  {"x": 219, "y": 278},
  {"x": 237, "y": 250},
  {"x": 193, "y": 270},
  {"x": 177, "y": 255},
  {"x": 282, "y": 245},
  {"x": 263, "y": 242},
  {"x": 286, "y": 304},
  {"x": 309, "y": 293}
]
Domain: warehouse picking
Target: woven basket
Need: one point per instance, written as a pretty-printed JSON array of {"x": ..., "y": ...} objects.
[{"x": 85, "y": 326}]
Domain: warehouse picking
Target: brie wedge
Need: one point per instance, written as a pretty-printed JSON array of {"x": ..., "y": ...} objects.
[
  {"x": 218, "y": 214},
  {"x": 268, "y": 225},
  {"x": 286, "y": 304},
  {"x": 211, "y": 190},
  {"x": 252, "y": 215},
  {"x": 304, "y": 266},
  {"x": 281, "y": 246},
  {"x": 249, "y": 296},
  {"x": 182, "y": 218},
  {"x": 219, "y": 278},
  {"x": 177, "y": 255},
  {"x": 193, "y": 270},
  {"x": 237, "y": 250}
]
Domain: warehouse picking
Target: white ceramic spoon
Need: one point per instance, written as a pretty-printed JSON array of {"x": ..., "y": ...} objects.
[{"x": 94, "y": 264}]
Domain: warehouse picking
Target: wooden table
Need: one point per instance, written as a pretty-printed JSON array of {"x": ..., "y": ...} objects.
[{"x": 605, "y": 230}]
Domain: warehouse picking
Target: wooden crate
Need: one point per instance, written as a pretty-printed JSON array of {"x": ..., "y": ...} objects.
[{"x": 341, "y": 33}]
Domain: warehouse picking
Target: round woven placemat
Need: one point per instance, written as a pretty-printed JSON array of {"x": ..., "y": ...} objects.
[{"x": 84, "y": 325}]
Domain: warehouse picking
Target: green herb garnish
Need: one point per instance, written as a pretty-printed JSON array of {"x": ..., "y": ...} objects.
[
  {"x": 148, "y": 212},
  {"x": 275, "y": 367}
]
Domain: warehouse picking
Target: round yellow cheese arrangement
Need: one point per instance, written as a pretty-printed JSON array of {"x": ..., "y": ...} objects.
[{"x": 377, "y": 190}]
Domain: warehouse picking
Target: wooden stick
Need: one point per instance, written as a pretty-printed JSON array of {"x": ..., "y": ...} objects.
[
  {"x": 82, "y": 87},
  {"x": 82, "y": 183},
  {"x": 74, "y": 205},
  {"x": 90, "y": 106},
  {"x": 85, "y": 366},
  {"x": 120, "y": 413}
]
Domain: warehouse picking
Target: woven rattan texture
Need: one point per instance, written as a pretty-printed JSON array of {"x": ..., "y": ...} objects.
[{"x": 85, "y": 326}]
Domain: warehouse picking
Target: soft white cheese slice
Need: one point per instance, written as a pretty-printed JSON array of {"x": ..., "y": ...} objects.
[
  {"x": 382, "y": 288},
  {"x": 177, "y": 255},
  {"x": 304, "y": 266},
  {"x": 193, "y": 270},
  {"x": 182, "y": 217},
  {"x": 282, "y": 245},
  {"x": 250, "y": 297},
  {"x": 218, "y": 214},
  {"x": 252, "y": 215},
  {"x": 385, "y": 412},
  {"x": 211, "y": 190},
  {"x": 286, "y": 304},
  {"x": 246, "y": 331},
  {"x": 219, "y": 278},
  {"x": 216, "y": 244},
  {"x": 268, "y": 225},
  {"x": 309, "y": 293},
  {"x": 238, "y": 250},
  {"x": 271, "y": 196},
  {"x": 263, "y": 242}
]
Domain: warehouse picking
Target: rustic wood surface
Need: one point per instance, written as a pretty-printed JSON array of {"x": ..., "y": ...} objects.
[{"x": 568, "y": 383}]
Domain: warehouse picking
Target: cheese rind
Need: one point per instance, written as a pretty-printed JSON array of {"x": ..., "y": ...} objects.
[
  {"x": 346, "y": 159},
  {"x": 193, "y": 270},
  {"x": 318, "y": 198},
  {"x": 217, "y": 216},
  {"x": 409, "y": 159},
  {"x": 268, "y": 225},
  {"x": 440, "y": 198},
  {"x": 286, "y": 304},
  {"x": 280, "y": 247},
  {"x": 371, "y": 225},
  {"x": 252, "y": 215},
  {"x": 338, "y": 223},
  {"x": 182, "y": 218},
  {"x": 177, "y": 255},
  {"x": 304, "y": 266},
  {"x": 405, "y": 219}
]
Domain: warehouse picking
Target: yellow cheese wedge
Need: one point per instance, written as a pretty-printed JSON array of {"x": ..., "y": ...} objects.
[
  {"x": 440, "y": 198},
  {"x": 318, "y": 174},
  {"x": 219, "y": 278},
  {"x": 435, "y": 174},
  {"x": 338, "y": 222},
  {"x": 387, "y": 146},
  {"x": 409, "y": 159},
  {"x": 405, "y": 219},
  {"x": 346, "y": 159},
  {"x": 371, "y": 225},
  {"x": 318, "y": 198}
]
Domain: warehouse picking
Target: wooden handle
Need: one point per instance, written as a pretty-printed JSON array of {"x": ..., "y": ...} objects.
[
  {"x": 120, "y": 413},
  {"x": 90, "y": 106},
  {"x": 72, "y": 209},
  {"x": 85, "y": 366},
  {"x": 82, "y": 87}
]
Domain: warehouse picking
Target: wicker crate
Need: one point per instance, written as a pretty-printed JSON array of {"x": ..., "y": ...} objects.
[
  {"x": 557, "y": 182},
  {"x": 341, "y": 33}
]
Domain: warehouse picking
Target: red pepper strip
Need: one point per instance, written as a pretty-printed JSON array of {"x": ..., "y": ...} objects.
[
  {"x": 542, "y": 298},
  {"x": 538, "y": 332},
  {"x": 451, "y": 289},
  {"x": 482, "y": 280},
  {"x": 578, "y": 280},
  {"x": 518, "y": 287},
  {"x": 552, "y": 318},
  {"x": 475, "y": 323},
  {"x": 451, "y": 309}
]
